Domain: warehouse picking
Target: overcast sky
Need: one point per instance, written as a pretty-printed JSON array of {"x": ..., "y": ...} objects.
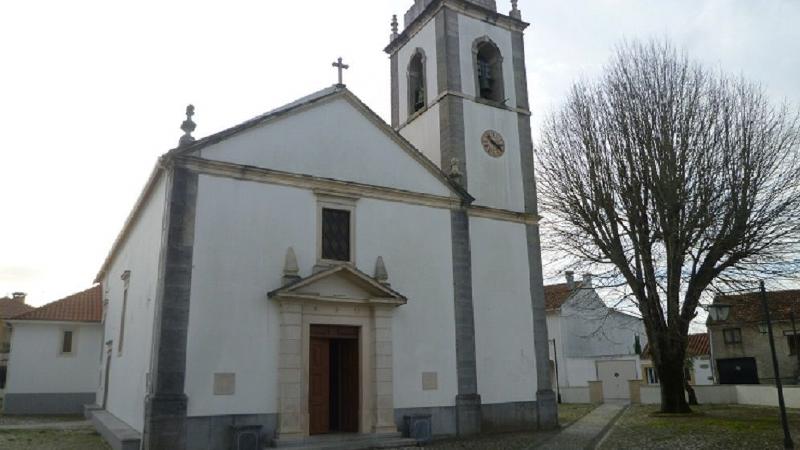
[{"x": 92, "y": 92}]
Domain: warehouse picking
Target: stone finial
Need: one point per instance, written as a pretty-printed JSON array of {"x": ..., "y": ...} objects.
[
  {"x": 380, "y": 272},
  {"x": 515, "y": 12},
  {"x": 395, "y": 28},
  {"x": 570, "y": 275},
  {"x": 454, "y": 171},
  {"x": 188, "y": 126},
  {"x": 291, "y": 271}
]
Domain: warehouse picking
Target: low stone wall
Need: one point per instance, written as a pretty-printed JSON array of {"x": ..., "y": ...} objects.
[
  {"x": 578, "y": 394},
  {"x": 729, "y": 394},
  {"x": 650, "y": 394}
]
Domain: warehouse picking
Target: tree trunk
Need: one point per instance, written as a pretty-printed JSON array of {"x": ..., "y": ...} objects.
[
  {"x": 692, "y": 395},
  {"x": 673, "y": 386}
]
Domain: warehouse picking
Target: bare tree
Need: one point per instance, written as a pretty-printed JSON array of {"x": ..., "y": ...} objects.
[{"x": 675, "y": 177}]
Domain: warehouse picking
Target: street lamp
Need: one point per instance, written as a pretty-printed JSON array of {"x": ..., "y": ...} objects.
[
  {"x": 787, "y": 438},
  {"x": 719, "y": 311},
  {"x": 555, "y": 360}
]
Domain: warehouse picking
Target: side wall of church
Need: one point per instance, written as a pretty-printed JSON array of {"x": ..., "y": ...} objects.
[
  {"x": 242, "y": 232},
  {"x": 140, "y": 255},
  {"x": 503, "y": 314}
]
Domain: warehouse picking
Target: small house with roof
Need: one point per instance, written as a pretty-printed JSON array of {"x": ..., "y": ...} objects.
[
  {"x": 590, "y": 341},
  {"x": 740, "y": 345},
  {"x": 9, "y": 307},
  {"x": 55, "y": 354},
  {"x": 699, "y": 369}
]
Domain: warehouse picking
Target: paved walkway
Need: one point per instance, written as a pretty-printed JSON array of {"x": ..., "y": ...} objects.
[
  {"x": 587, "y": 431},
  {"x": 47, "y": 425}
]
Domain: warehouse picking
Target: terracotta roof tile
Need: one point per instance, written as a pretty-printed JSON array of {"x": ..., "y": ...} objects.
[
  {"x": 747, "y": 307},
  {"x": 555, "y": 295},
  {"x": 10, "y": 307},
  {"x": 85, "y": 306},
  {"x": 698, "y": 346}
]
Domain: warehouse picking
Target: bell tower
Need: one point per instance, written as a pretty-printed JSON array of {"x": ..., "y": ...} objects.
[{"x": 459, "y": 94}]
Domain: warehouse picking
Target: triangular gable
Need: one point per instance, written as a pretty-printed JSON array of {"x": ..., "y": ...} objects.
[
  {"x": 306, "y": 137},
  {"x": 342, "y": 283}
]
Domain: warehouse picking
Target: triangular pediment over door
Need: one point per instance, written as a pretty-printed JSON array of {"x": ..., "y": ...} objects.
[{"x": 342, "y": 283}]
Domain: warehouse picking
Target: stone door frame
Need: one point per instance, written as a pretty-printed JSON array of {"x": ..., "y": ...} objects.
[{"x": 376, "y": 396}]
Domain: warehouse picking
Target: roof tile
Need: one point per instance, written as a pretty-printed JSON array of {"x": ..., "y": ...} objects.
[
  {"x": 10, "y": 307},
  {"x": 698, "y": 346},
  {"x": 85, "y": 306},
  {"x": 747, "y": 307},
  {"x": 555, "y": 295}
]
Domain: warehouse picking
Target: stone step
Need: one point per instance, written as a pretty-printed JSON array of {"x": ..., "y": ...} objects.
[{"x": 346, "y": 442}]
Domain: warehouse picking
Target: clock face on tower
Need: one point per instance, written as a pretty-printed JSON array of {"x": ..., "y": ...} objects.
[{"x": 493, "y": 143}]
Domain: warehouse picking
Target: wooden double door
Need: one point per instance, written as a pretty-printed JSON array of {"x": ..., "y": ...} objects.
[{"x": 333, "y": 381}]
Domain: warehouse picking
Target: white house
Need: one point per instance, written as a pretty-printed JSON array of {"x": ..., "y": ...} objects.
[
  {"x": 700, "y": 371},
  {"x": 591, "y": 341},
  {"x": 55, "y": 350},
  {"x": 316, "y": 270}
]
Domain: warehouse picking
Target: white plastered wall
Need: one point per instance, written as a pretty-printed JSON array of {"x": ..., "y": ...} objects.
[
  {"x": 332, "y": 139},
  {"x": 424, "y": 133},
  {"x": 37, "y": 366},
  {"x": 140, "y": 255},
  {"x": 242, "y": 232},
  {"x": 425, "y": 39},
  {"x": 503, "y": 312},
  {"x": 591, "y": 329},
  {"x": 494, "y": 182}
]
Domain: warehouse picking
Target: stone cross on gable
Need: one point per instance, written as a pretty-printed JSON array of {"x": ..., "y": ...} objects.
[{"x": 342, "y": 67}]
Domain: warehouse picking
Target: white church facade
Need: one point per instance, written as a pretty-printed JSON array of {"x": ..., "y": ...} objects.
[{"x": 317, "y": 270}]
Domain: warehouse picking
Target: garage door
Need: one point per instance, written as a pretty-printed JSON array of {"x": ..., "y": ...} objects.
[{"x": 615, "y": 375}]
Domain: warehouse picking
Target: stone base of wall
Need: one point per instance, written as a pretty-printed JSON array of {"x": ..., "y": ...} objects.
[
  {"x": 38, "y": 404},
  {"x": 215, "y": 432},
  {"x": 116, "y": 433},
  {"x": 443, "y": 419},
  {"x": 512, "y": 416}
]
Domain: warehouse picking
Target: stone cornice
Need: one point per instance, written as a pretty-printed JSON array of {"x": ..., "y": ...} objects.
[
  {"x": 346, "y": 188},
  {"x": 468, "y": 9},
  {"x": 441, "y": 96}
]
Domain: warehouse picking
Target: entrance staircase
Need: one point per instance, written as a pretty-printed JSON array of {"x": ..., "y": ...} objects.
[{"x": 345, "y": 441}]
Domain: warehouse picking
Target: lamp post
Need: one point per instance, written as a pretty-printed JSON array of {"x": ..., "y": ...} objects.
[
  {"x": 555, "y": 360},
  {"x": 787, "y": 438}
]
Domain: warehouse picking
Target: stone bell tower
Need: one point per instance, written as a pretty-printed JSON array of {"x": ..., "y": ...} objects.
[{"x": 459, "y": 94}]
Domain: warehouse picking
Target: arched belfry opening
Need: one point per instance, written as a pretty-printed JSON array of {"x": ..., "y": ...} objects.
[
  {"x": 417, "y": 98},
  {"x": 488, "y": 70}
]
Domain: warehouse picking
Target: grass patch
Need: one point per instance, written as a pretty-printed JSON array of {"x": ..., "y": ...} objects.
[
  {"x": 29, "y": 420},
  {"x": 71, "y": 439},
  {"x": 713, "y": 427},
  {"x": 569, "y": 413}
]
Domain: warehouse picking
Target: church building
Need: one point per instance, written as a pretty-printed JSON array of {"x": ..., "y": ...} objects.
[{"x": 316, "y": 270}]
